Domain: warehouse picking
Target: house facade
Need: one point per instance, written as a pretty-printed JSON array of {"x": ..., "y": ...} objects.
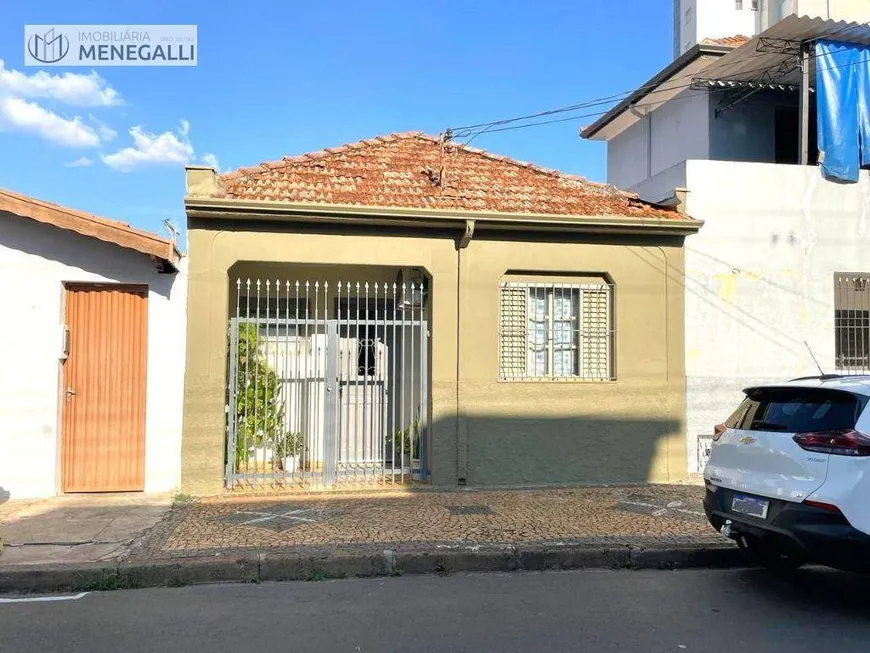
[
  {"x": 407, "y": 309},
  {"x": 93, "y": 350},
  {"x": 775, "y": 282}
]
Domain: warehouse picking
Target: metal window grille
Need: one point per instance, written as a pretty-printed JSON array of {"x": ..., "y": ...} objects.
[
  {"x": 556, "y": 331},
  {"x": 852, "y": 322}
]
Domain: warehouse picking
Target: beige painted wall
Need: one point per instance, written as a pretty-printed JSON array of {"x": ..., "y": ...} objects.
[{"x": 509, "y": 433}]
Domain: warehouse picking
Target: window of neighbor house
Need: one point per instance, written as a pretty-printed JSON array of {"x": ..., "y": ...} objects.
[
  {"x": 556, "y": 331},
  {"x": 738, "y": 5},
  {"x": 852, "y": 321}
]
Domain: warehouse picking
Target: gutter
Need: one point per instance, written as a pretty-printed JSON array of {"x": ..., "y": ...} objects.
[
  {"x": 233, "y": 209},
  {"x": 664, "y": 75},
  {"x": 461, "y": 416}
]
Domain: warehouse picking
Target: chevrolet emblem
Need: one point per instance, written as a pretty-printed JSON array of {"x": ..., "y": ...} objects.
[{"x": 747, "y": 440}]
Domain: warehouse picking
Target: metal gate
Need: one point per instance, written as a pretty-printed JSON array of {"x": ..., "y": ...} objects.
[{"x": 327, "y": 384}]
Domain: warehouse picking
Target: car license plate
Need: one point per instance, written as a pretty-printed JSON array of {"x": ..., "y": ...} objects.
[{"x": 752, "y": 506}]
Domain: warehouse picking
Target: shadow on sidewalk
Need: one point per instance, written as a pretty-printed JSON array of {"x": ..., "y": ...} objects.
[{"x": 80, "y": 529}]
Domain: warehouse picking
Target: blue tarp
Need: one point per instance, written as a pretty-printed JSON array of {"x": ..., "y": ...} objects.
[{"x": 843, "y": 108}]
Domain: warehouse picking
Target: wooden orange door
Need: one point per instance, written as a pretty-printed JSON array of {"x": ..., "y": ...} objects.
[{"x": 103, "y": 393}]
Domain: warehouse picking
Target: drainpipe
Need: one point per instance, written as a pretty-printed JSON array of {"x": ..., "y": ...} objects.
[
  {"x": 646, "y": 116},
  {"x": 461, "y": 421}
]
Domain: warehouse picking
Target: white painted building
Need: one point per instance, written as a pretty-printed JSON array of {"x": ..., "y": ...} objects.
[
  {"x": 696, "y": 20},
  {"x": 782, "y": 257},
  {"x": 126, "y": 415}
]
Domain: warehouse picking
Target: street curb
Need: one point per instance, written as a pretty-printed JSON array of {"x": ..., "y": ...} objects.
[{"x": 262, "y": 567}]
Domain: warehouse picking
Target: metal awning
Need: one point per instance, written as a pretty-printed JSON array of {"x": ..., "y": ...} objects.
[{"x": 773, "y": 57}]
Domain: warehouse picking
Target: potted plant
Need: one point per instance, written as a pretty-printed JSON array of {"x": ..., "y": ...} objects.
[
  {"x": 288, "y": 450},
  {"x": 400, "y": 448},
  {"x": 259, "y": 408}
]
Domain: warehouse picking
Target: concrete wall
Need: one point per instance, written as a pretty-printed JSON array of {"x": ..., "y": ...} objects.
[
  {"x": 483, "y": 430},
  {"x": 712, "y": 19},
  {"x": 759, "y": 277},
  {"x": 674, "y": 132},
  {"x": 35, "y": 262}
]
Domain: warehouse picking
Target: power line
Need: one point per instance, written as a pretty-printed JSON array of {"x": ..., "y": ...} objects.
[
  {"x": 494, "y": 126},
  {"x": 507, "y": 123}
]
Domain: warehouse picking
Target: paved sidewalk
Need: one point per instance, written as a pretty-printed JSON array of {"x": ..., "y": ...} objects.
[
  {"x": 661, "y": 515},
  {"x": 325, "y": 535},
  {"x": 76, "y": 529}
]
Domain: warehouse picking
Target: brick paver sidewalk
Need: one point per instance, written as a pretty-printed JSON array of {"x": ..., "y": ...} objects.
[{"x": 658, "y": 516}]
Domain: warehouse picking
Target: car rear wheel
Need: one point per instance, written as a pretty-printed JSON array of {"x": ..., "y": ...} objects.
[{"x": 772, "y": 553}]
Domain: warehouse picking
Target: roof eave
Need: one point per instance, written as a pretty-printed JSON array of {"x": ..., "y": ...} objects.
[
  {"x": 697, "y": 50},
  {"x": 237, "y": 209},
  {"x": 163, "y": 252}
]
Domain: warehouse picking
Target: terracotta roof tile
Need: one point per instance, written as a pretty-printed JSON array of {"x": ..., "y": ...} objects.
[
  {"x": 413, "y": 170},
  {"x": 92, "y": 226},
  {"x": 734, "y": 41}
]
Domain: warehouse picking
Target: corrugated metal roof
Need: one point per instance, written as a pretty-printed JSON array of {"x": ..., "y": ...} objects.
[{"x": 759, "y": 59}]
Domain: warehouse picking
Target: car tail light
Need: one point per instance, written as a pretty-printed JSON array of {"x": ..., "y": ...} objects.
[
  {"x": 718, "y": 431},
  {"x": 830, "y": 507},
  {"x": 848, "y": 442}
]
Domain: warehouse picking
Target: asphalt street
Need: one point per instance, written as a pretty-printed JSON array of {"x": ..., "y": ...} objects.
[{"x": 597, "y": 611}]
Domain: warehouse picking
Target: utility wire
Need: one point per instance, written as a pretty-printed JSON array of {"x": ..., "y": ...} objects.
[
  {"x": 506, "y": 124},
  {"x": 494, "y": 126}
]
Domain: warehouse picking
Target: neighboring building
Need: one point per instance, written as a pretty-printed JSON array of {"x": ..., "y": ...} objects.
[
  {"x": 92, "y": 344},
  {"x": 782, "y": 258},
  {"x": 404, "y": 308},
  {"x": 698, "y": 20}
]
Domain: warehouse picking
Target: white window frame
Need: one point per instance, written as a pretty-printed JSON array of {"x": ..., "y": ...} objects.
[{"x": 518, "y": 369}]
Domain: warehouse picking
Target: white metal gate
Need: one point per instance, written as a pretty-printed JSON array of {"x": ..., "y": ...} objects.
[{"x": 327, "y": 385}]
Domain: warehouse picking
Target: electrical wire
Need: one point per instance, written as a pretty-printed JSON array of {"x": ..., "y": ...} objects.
[
  {"x": 473, "y": 131},
  {"x": 469, "y": 131}
]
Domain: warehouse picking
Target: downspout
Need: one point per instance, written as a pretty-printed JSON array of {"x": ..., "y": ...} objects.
[
  {"x": 646, "y": 116},
  {"x": 461, "y": 418}
]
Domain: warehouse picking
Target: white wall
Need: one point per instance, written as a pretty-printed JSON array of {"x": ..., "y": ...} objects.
[
  {"x": 760, "y": 277},
  {"x": 676, "y": 131},
  {"x": 713, "y": 19},
  {"x": 627, "y": 155},
  {"x": 35, "y": 262}
]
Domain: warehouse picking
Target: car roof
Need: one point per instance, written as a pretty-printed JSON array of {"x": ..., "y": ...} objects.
[{"x": 856, "y": 383}]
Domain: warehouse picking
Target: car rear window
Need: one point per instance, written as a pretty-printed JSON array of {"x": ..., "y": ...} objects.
[{"x": 797, "y": 410}]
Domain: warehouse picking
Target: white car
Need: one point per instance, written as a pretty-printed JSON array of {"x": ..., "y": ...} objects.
[{"x": 789, "y": 473}]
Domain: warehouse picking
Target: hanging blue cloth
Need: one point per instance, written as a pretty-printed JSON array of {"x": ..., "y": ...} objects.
[
  {"x": 837, "y": 86},
  {"x": 862, "y": 69}
]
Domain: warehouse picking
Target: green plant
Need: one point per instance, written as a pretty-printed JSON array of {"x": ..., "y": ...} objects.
[
  {"x": 259, "y": 408},
  {"x": 288, "y": 444},
  {"x": 402, "y": 440}
]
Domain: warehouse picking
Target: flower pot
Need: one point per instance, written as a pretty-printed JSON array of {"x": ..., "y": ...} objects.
[{"x": 288, "y": 464}]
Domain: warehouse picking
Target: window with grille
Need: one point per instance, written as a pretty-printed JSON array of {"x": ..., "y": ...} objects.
[
  {"x": 852, "y": 321},
  {"x": 556, "y": 331}
]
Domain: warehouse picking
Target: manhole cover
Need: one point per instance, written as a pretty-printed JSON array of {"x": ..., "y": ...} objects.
[{"x": 470, "y": 510}]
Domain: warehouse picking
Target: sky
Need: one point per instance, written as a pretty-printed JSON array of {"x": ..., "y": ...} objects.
[{"x": 284, "y": 78}]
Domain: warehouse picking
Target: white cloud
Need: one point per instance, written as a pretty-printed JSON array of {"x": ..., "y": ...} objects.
[
  {"x": 25, "y": 116},
  {"x": 74, "y": 89},
  {"x": 153, "y": 149},
  {"x": 106, "y": 133},
  {"x": 211, "y": 159},
  {"x": 81, "y": 162}
]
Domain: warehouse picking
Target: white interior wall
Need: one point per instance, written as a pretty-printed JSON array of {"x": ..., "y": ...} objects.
[
  {"x": 760, "y": 278},
  {"x": 35, "y": 262}
]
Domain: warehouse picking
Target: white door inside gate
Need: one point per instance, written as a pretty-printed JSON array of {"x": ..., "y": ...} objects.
[{"x": 363, "y": 404}]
